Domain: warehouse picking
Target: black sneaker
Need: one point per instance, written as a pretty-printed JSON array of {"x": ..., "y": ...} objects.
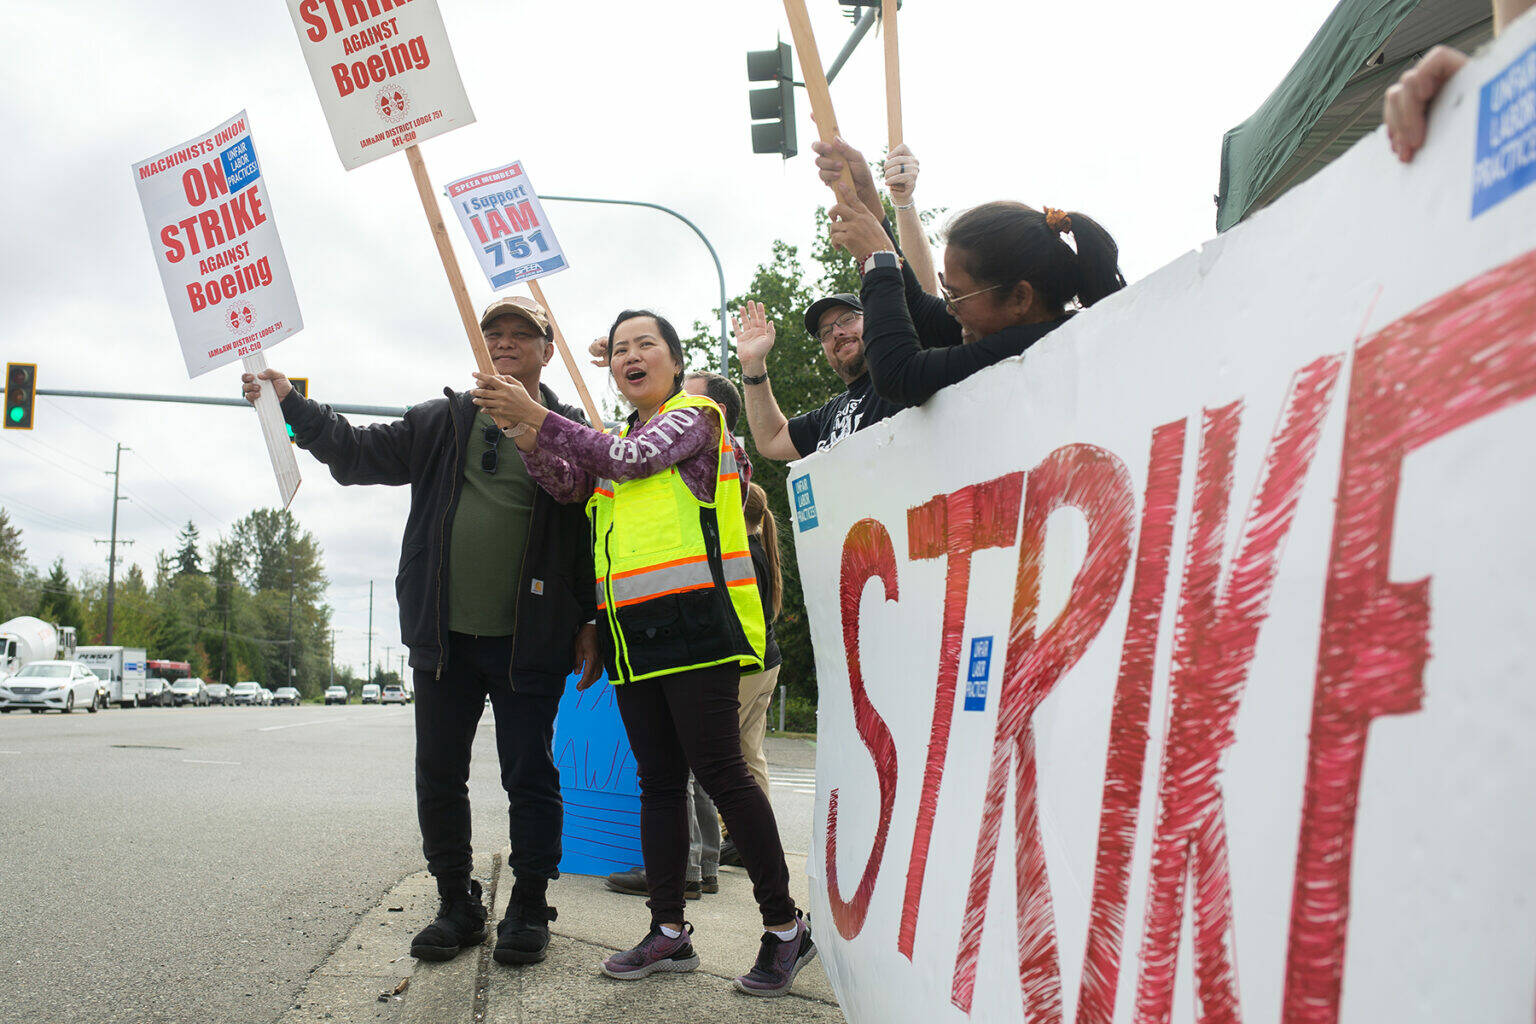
[
  {"x": 522, "y": 937},
  {"x": 710, "y": 883},
  {"x": 460, "y": 924},
  {"x": 728, "y": 854},
  {"x": 778, "y": 961},
  {"x": 630, "y": 883}
]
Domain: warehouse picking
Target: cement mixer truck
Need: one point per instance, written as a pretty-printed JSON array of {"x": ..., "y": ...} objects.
[{"x": 25, "y": 639}]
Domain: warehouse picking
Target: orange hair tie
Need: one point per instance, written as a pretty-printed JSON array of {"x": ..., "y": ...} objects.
[{"x": 1058, "y": 221}]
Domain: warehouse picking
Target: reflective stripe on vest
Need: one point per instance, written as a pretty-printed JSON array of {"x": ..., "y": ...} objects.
[{"x": 675, "y": 577}]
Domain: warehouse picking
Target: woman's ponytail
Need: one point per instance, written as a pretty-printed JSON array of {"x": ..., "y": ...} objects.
[
  {"x": 760, "y": 519},
  {"x": 1098, "y": 261}
]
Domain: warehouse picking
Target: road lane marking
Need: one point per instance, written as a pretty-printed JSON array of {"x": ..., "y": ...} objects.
[
  {"x": 297, "y": 725},
  {"x": 188, "y": 760}
]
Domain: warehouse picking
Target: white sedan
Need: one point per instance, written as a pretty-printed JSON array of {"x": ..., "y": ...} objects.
[{"x": 58, "y": 685}]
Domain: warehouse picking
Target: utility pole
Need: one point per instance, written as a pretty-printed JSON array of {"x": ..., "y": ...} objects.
[
  {"x": 117, "y": 468},
  {"x": 387, "y": 659},
  {"x": 368, "y": 675},
  {"x": 288, "y": 534},
  {"x": 333, "y": 659}
]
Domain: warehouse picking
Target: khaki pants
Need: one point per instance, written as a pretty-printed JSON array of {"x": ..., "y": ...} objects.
[{"x": 756, "y": 693}]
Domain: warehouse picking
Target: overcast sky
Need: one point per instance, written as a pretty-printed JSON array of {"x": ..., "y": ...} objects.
[{"x": 1109, "y": 107}]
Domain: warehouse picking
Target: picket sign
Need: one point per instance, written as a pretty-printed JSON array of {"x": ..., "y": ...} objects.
[
  {"x": 514, "y": 242},
  {"x": 892, "y": 73},
  {"x": 1199, "y": 688},
  {"x": 815, "y": 76},
  {"x": 221, "y": 263}
]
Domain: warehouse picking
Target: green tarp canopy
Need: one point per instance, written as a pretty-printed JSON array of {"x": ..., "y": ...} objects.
[{"x": 1333, "y": 96}]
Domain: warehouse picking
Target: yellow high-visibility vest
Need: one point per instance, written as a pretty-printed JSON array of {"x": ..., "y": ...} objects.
[{"x": 675, "y": 583}]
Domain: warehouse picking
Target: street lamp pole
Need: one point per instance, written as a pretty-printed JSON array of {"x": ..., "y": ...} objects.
[{"x": 725, "y": 345}]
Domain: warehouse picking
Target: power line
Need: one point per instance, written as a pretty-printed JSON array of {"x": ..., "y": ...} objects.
[
  {"x": 211, "y": 514},
  {"x": 52, "y": 465},
  {"x": 39, "y": 511}
]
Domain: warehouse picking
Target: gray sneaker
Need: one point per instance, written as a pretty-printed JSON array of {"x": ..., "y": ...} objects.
[
  {"x": 656, "y": 952},
  {"x": 778, "y": 962}
]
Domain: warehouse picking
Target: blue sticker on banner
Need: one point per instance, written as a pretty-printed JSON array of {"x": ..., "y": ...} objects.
[
  {"x": 805, "y": 503},
  {"x": 1506, "y": 134},
  {"x": 240, "y": 165},
  {"x": 976, "y": 678}
]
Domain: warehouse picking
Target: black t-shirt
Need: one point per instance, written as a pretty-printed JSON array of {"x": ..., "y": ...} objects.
[{"x": 854, "y": 409}]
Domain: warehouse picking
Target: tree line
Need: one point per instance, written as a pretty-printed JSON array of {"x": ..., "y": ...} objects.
[{"x": 245, "y": 606}]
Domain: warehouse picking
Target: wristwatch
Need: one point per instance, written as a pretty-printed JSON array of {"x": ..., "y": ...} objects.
[
  {"x": 881, "y": 259},
  {"x": 749, "y": 379}
]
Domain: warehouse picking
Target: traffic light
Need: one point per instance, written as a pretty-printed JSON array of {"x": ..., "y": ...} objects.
[
  {"x": 774, "y": 106},
  {"x": 20, "y": 391},
  {"x": 301, "y": 385}
]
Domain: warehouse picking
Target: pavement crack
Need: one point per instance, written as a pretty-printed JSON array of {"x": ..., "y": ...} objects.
[{"x": 483, "y": 973}]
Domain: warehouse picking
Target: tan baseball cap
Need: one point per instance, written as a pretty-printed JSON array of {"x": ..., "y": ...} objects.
[{"x": 517, "y": 305}]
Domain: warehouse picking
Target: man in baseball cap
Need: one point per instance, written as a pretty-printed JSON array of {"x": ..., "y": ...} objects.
[
  {"x": 837, "y": 321},
  {"x": 491, "y": 603}
]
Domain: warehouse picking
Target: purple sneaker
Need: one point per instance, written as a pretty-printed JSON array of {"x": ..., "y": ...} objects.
[
  {"x": 656, "y": 952},
  {"x": 778, "y": 962}
]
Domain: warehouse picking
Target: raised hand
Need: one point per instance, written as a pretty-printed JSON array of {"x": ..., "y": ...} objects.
[
  {"x": 598, "y": 350},
  {"x": 830, "y": 161},
  {"x": 901, "y": 170},
  {"x": 754, "y": 338}
]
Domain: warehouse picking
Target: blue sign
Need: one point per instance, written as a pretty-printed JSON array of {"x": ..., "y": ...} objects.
[
  {"x": 598, "y": 782},
  {"x": 1506, "y": 134},
  {"x": 980, "y": 671},
  {"x": 805, "y": 503},
  {"x": 240, "y": 165}
]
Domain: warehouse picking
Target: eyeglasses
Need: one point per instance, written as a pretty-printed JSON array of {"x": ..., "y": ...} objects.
[
  {"x": 847, "y": 320},
  {"x": 490, "y": 456},
  {"x": 951, "y": 300}
]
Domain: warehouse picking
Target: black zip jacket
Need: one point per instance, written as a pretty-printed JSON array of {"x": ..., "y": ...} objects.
[{"x": 427, "y": 449}]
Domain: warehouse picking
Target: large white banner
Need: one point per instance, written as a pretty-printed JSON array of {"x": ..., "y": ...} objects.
[
  {"x": 384, "y": 73},
  {"x": 215, "y": 240},
  {"x": 1185, "y": 669}
]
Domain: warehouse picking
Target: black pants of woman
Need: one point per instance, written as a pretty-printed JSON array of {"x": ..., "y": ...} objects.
[{"x": 689, "y": 720}]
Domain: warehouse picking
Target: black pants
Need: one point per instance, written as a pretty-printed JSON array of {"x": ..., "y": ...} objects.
[
  {"x": 447, "y": 711},
  {"x": 689, "y": 720}
]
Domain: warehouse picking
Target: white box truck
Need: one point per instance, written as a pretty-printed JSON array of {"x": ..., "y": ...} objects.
[{"x": 122, "y": 668}]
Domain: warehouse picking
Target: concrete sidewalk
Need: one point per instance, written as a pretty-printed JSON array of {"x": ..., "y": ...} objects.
[{"x": 373, "y": 962}]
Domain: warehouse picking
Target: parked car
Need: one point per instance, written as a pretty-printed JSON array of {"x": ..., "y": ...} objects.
[
  {"x": 336, "y": 695},
  {"x": 157, "y": 692},
  {"x": 285, "y": 695},
  {"x": 246, "y": 693},
  {"x": 266, "y": 697},
  {"x": 190, "y": 691},
  {"x": 393, "y": 694},
  {"x": 59, "y": 685},
  {"x": 370, "y": 693},
  {"x": 218, "y": 693}
]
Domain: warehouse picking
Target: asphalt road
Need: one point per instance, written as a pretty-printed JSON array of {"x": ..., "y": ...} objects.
[{"x": 197, "y": 864}]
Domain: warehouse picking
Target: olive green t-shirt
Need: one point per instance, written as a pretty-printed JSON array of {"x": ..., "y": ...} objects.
[{"x": 490, "y": 532}]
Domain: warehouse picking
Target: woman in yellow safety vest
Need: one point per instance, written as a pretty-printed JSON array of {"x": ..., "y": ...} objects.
[{"x": 680, "y": 620}]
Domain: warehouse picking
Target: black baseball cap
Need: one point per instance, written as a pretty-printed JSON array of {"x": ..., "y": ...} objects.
[{"x": 814, "y": 310}]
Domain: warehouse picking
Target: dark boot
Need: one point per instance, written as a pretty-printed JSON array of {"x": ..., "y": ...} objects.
[
  {"x": 460, "y": 924},
  {"x": 522, "y": 937}
]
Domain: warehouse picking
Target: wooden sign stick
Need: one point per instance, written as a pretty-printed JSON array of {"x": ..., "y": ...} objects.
[
  {"x": 450, "y": 262},
  {"x": 593, "y": 415},
  {"x": 892, "y": 73},
  {"x": 815, "y": 77}
]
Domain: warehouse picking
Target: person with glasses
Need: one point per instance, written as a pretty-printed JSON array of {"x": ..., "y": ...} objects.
[
  {"x": 837, "y": 321},
  {"x": 494, "y": 600},
  {"x": 1009, "y": 278},
  {"x": 681, "y": 620}
]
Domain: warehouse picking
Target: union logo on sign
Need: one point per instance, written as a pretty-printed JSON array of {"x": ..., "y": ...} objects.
[
  {"x": 392, "y": 103},
  {"x": 239, "y": 317}
]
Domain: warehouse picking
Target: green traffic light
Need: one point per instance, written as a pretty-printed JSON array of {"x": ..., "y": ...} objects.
[{"x": 17, "y": 413}]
